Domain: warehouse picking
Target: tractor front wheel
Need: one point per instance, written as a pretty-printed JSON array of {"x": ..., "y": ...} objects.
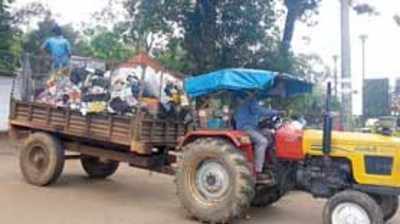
[
  {"x": 214, "y": 181},
  {"x": 388, "y": 204},
  {"x": 352, "y": 207}
]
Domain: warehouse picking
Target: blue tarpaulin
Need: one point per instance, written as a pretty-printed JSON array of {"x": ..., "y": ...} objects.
[{"x": 266, "y": 83}]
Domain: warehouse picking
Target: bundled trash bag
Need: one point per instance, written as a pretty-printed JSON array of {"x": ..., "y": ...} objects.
[
  {"x": 60, "y": 92},
  {"x": 78, "y": 75},
  {"x": 174, "y": 103},
  {"x": 125, "y": 92},
  {"x": 134, "y": 85},
  {"x": 95, "y": 93}
]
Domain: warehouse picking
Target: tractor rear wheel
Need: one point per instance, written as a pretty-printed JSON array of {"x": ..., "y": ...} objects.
[
  {"x": 389, "y": 205},
  {"x": 352, "y": 207},
  {"x": 214, "y": 181},
  {"x": 98, "y": 169},
  {"x": 265, "y": 196},
  {"x": 41, "y": 159}
]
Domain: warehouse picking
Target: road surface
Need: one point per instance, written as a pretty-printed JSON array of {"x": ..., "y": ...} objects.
[{"x": 132, "y": 196}]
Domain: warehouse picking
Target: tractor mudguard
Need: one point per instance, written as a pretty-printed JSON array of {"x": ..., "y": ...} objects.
[{"x": 238, "y": 138}]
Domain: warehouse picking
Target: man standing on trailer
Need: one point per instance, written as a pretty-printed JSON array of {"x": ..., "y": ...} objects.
[{"x": 59, "y": 49}]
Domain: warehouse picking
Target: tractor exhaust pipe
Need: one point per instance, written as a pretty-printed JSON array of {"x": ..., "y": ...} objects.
[{"x": 327, "y": 130}]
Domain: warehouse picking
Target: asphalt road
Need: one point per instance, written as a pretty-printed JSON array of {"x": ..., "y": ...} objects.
[{"x": 132, "y": 196}]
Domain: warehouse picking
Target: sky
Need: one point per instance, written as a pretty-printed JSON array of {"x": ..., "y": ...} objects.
[{"x": 382, "y": 47}]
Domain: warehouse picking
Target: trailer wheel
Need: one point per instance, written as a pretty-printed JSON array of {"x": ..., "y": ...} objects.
[
  {"x": 265, "y": 196},
  {"x": 41, "y": 159},
  {"x": 98, "y": 169},
  {"x": 352, "y": 207},
  {"x": 214, "y": 181},
  {"x": 389, "y": 205}
]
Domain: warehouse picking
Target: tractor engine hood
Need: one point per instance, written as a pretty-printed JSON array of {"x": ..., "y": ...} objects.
[{"x": 349, "y": 141}]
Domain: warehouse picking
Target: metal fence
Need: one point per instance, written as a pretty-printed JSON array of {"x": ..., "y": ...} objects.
[{"x": 33, "y": 71}]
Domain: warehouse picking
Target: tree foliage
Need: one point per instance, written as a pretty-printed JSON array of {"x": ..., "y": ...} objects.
[
  {"x": 6, "y": 30},
  {"x": 305, "y": 10},
  {"x": 30, "y": 13},
  {"x": 8, "y": 37},
  {"x": 213, "y": 34},
  {"x": 33, "y": 40},
  {"x": 364, "y": 8},
  {"x": 297, "y": 10},
  {"x": 148, "y": 25},
  {"x": 396, "y": 18},
  {"x": 104, "y": 44}
]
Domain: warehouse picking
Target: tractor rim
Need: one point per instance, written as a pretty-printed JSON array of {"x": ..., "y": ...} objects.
[
  {"x": 350, "y": 213},
  {"x": 212, "y": 180},
  {"x": 38, "y": 158}
]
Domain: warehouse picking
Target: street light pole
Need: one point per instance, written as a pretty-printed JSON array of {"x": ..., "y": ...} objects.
[
  {"x": 363, "y": 39},
  {"x": 347, "y": 110},
  {"x": 335, "y": 74}
]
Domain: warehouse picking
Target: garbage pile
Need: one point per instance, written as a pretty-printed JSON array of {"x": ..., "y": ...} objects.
[{"x": 93, "y": 91}]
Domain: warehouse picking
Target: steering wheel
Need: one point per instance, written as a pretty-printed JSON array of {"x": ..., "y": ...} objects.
[{"x": 273, "y": 122}]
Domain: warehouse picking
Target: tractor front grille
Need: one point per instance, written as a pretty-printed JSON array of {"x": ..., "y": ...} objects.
[{"x": 378, "y": 165}]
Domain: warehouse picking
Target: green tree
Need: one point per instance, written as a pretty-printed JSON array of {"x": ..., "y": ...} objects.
[
  {"x": 33, "y": 40},
  {"x": 396, "y": 19},
  {"x": 305, "y": 10},
  {"x": 148, "y": 25},
  {"x": 9, "y": 35},
  {"x": 297, "y": 10},
  {"x": 213, "y": 34},
  {"x": 104, "y": 44},
  {"x": 29, "y": 13},
  {"x": 6, "y": 29},
  {"x": 174, "y": 57}
]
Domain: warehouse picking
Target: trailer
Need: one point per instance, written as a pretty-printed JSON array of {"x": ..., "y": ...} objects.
[{"x": 101, "y": 141}]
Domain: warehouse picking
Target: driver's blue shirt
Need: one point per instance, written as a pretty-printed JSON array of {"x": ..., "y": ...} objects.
[{"x": 248, "y": 115}]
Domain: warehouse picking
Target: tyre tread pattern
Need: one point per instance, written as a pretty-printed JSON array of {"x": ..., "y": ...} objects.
[
  {"x": 243, "y": 190},
  {"x": 56, "y": 154},
  {"x": 362, "y": 199}
]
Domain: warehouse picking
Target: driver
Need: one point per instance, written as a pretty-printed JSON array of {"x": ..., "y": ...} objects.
[{"x": 247, "y": 117}]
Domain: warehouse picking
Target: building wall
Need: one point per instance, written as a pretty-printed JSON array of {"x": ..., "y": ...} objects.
[{"x": 376, "y": 101}]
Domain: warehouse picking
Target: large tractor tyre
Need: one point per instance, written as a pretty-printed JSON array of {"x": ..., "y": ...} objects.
[
  {"x": 41, "y": 159},
  {"x": 265, "y": 196},
  {"x": 389, "y": 205},
  {"x": 352, "y": 207},
  {"x": 98, "y": 169},
  {"x": 214, "y": 181}
]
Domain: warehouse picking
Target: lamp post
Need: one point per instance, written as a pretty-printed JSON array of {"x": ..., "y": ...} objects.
[
  {"x": 363, "y": 39},
  {"x": 335, "y": 74},
  {"x": 347, "y": 110}
]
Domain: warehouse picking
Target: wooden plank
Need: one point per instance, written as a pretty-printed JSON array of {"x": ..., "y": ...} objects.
[
  {"x": 115, "y": 129},
  {"x": 110, "y": 126},
  {"x": 98, "y": 126},
  {"x": 30, "y": 112}
]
